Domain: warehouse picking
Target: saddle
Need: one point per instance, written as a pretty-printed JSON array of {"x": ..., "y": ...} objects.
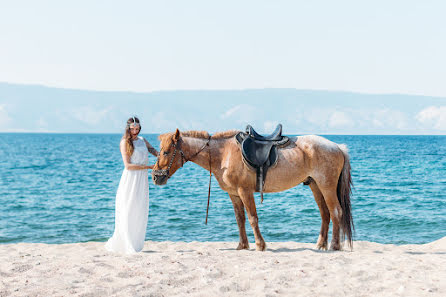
[{"x": 260, "y": 152}]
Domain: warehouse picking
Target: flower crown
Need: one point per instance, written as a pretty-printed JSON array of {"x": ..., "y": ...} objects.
[{"x": 134, "y": 124}]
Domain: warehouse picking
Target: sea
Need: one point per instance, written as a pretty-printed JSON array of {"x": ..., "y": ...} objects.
[{"x": 60, "y": 188}]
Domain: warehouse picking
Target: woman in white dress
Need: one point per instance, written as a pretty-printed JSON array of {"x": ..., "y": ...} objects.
[{"x": 132, "y": 197}]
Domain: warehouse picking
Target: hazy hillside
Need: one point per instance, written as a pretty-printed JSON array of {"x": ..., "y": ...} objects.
[{"x": 42, "y": 109}]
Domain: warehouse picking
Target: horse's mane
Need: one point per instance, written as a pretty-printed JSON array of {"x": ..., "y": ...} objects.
[{"x": 203, "y": 134}]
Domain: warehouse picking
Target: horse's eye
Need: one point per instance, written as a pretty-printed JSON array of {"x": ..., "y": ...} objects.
[{"x": 165, "y": 153}]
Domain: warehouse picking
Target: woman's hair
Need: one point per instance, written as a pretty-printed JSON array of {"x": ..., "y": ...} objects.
[{"x": 128, "y": 136}]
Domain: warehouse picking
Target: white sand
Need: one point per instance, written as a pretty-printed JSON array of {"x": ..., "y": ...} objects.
[{"x": 217, "y": 269}]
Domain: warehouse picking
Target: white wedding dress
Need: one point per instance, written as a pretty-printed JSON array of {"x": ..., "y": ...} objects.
[{"x": 132, "y": 205}]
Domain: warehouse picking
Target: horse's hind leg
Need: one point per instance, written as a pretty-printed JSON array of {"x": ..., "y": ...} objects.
[
  {"x": 239, "y": 211},
  {"x": 331, "y": 199},
  {"x": 250, "y": 206},
  {"x": 325, "y": 216}
]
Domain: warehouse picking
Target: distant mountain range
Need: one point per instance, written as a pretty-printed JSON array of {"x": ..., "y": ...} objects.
[{"x": 32, "y": 108}]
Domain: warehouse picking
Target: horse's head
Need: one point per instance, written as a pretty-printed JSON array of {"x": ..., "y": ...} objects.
[{"x": 170, "y": 158}]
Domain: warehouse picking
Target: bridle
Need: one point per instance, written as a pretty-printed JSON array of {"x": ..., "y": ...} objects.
[
  {"x": 165, "y": 172},
  {"x": 177, "y": 147}
]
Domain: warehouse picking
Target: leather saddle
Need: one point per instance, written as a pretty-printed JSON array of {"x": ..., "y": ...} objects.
[{"x": 261, "y": 152}]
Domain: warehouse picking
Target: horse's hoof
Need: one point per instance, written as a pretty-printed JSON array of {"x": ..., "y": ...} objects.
[
  {"x": 321, "y": 243},
  {"x": 261, "y": 246},
  {"x": 322, "y": 246},
  {"x": 335, "y": 247},
  {"x": 242, "y": 246}
]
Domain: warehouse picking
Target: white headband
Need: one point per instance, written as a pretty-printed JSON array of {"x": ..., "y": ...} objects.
[{"x": 134, "y": 124}]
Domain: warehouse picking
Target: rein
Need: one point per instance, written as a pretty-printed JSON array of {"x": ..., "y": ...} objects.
[
  {"x": 165, "y": 172},
  {"x": 210, "y": 175}
]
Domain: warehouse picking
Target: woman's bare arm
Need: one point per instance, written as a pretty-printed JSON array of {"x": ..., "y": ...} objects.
[
  {"x": 151, "y": 149},
  {"x": 126, "y": 158}
]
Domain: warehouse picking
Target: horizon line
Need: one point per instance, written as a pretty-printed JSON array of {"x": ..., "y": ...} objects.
[{"x": 159, "y": 133}]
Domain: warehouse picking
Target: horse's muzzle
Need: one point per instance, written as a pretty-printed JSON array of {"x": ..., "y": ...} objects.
[{"x": 160, "y": 177}]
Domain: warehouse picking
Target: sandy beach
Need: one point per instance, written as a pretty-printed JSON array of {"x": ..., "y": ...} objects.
[{"x": 217, "y": 269}]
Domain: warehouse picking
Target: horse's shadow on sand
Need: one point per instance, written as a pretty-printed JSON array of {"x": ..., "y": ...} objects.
[
  {"x": 149, "y": 252},
  {"x": 285, "y": 250}
]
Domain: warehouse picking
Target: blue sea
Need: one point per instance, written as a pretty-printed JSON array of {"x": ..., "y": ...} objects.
[{"x": 60, "y": 188}]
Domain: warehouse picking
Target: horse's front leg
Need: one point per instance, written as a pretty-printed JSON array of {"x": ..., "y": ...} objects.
[
  {"x": 247, "y": 198},
  {"x": 239, "y": 211}
]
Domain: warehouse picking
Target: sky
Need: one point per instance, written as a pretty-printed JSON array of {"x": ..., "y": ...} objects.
[
  {"x": 361, "y": 46},
  {"x": 367, "y": 47}
]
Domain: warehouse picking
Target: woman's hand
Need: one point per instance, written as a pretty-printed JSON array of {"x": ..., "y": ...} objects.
[{"x": 147, "y": 166}]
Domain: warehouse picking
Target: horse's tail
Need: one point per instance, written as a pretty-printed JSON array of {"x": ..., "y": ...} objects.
[{"x": 344, "y": 191}]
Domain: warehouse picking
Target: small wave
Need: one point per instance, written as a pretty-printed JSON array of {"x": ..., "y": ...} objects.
[
  {"x": 30, "y": 167},
  {"x": 12, "y": 239}
]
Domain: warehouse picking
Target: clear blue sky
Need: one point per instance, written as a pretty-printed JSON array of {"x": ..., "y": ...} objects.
[{"x": 366, "y": 46}]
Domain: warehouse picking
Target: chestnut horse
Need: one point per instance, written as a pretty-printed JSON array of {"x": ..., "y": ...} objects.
[{"x": 322, "y": 164}]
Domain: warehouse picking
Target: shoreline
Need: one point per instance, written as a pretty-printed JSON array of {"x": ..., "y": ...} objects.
[{"x": 194, "y": 268}]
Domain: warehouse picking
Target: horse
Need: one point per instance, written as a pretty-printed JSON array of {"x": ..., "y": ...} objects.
[{"x": 314, "y": 160}]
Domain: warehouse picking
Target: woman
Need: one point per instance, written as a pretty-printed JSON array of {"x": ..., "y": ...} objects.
[{"x": 132, "y": 197}]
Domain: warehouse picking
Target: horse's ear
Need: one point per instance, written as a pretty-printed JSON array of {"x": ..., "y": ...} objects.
[{"x": 177, "y": 135}]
